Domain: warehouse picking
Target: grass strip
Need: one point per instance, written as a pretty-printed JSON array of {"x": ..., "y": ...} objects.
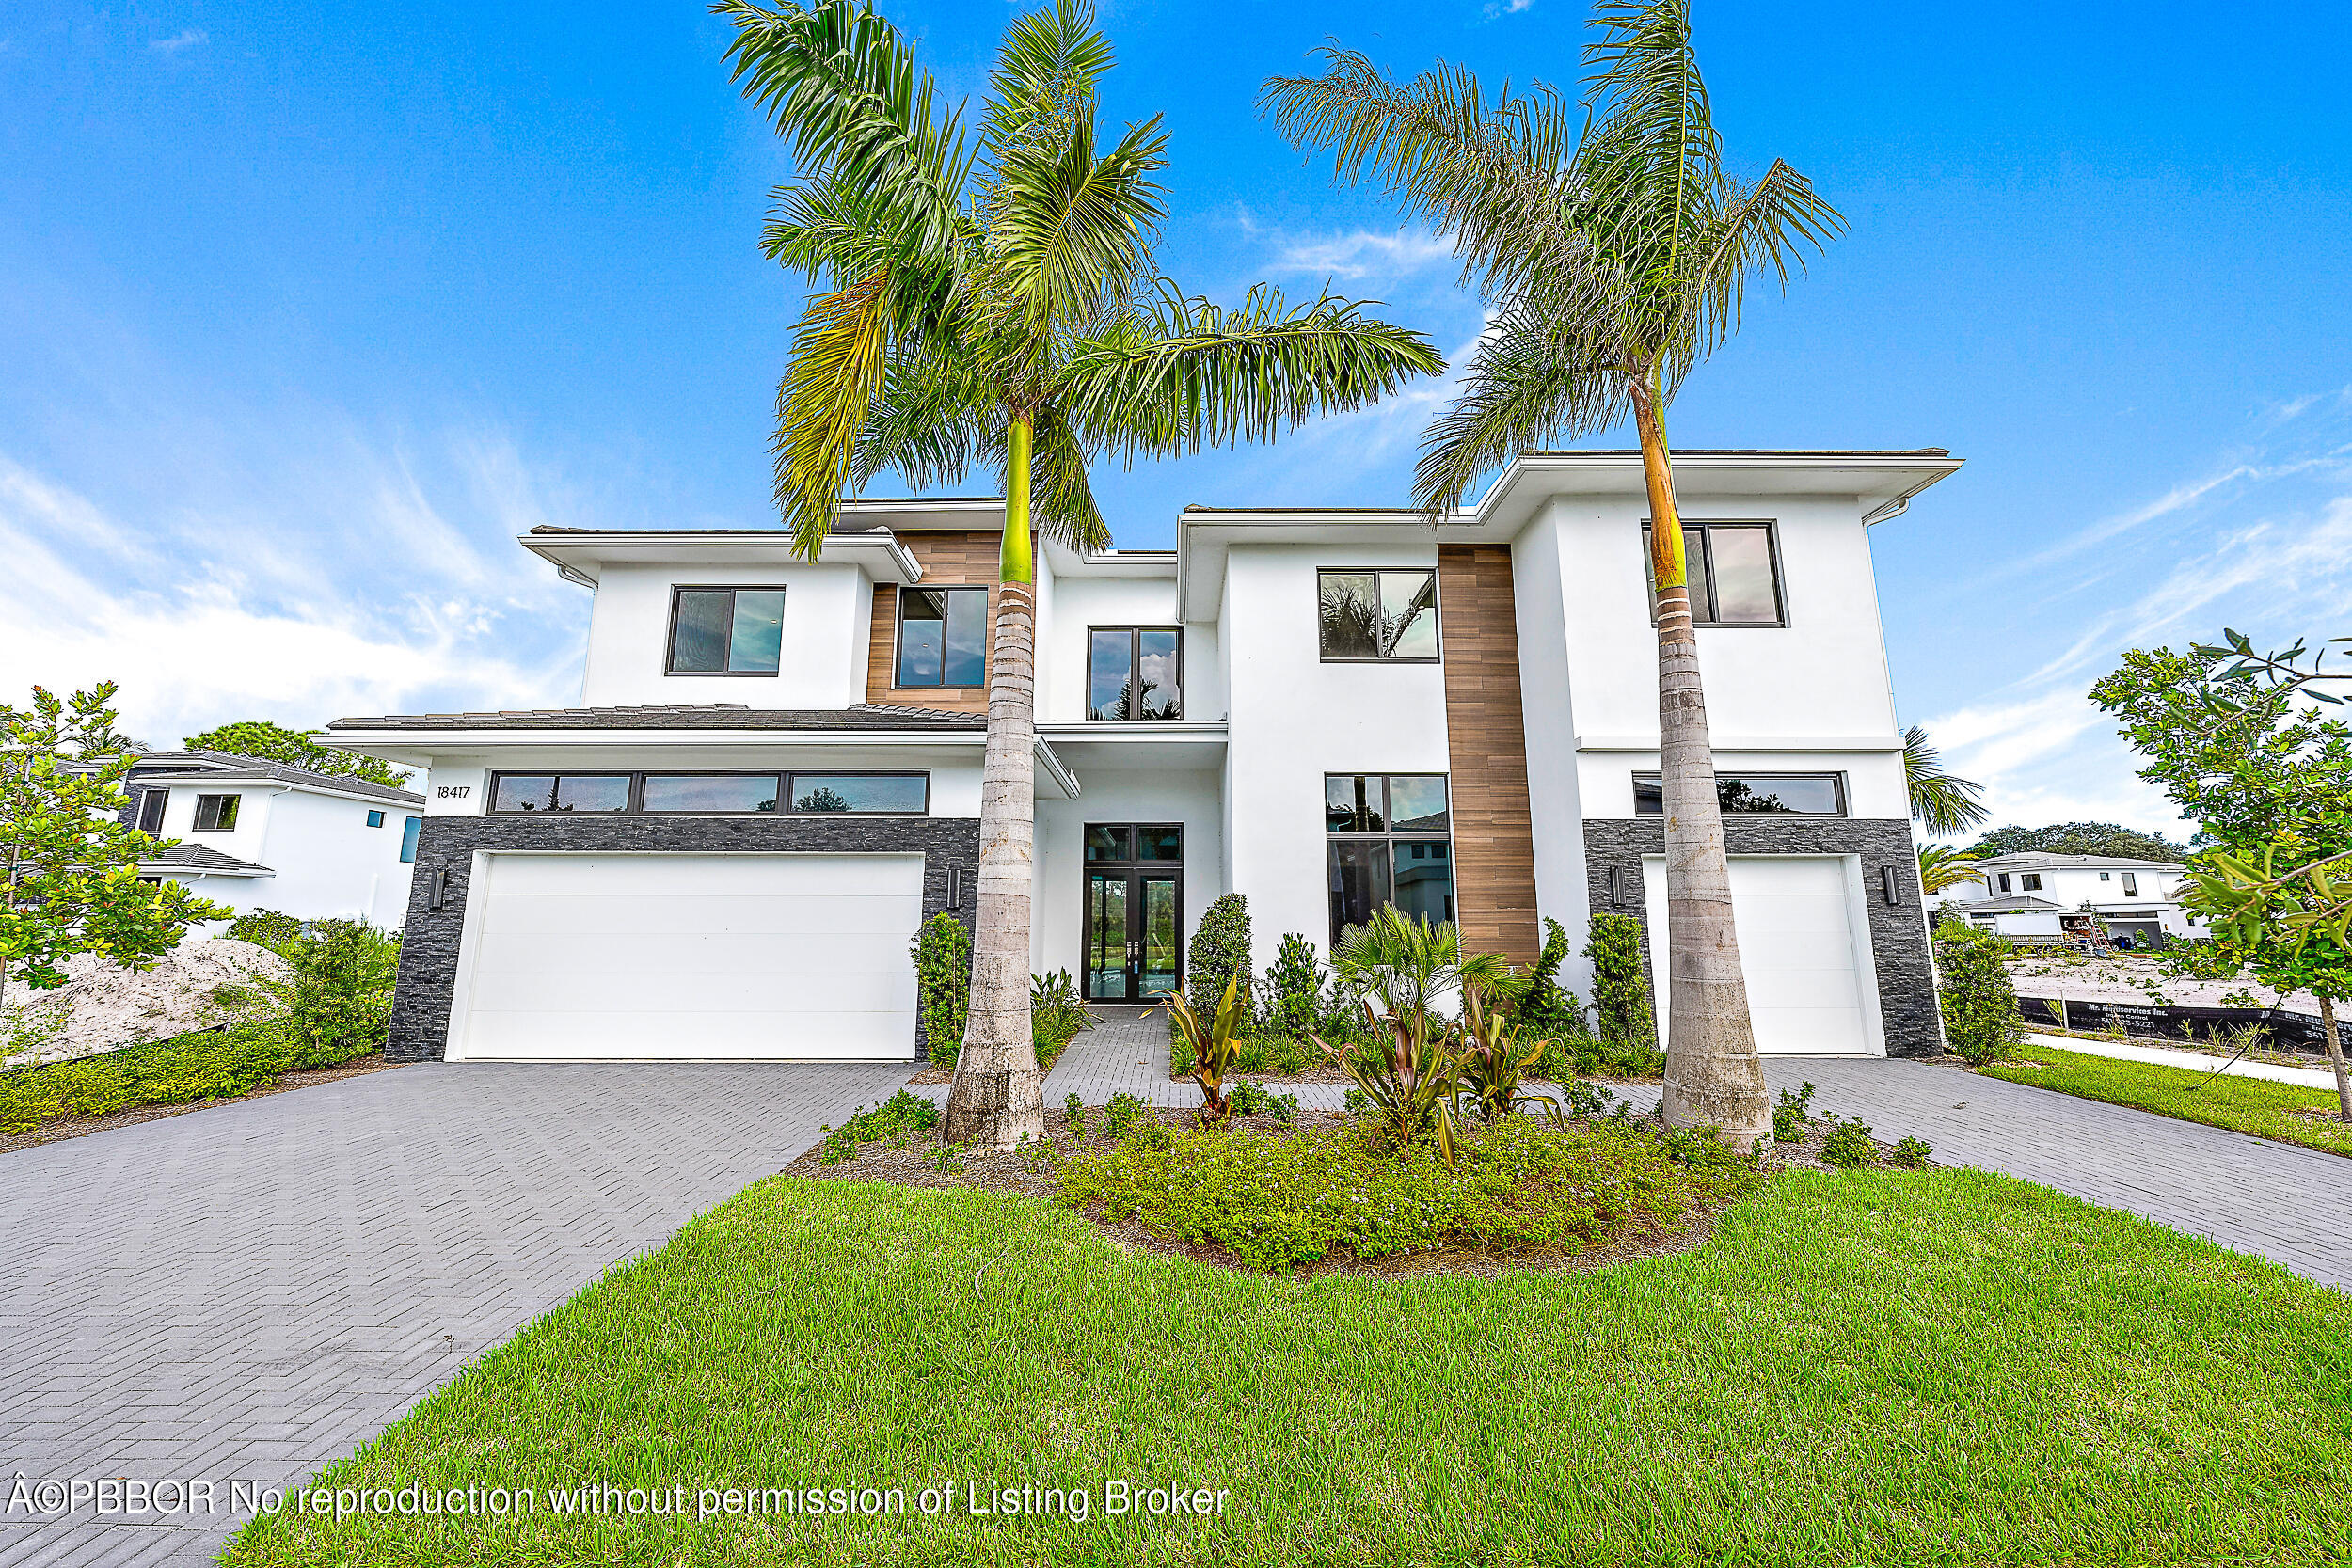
[{"x": 2255, "y": 1105}]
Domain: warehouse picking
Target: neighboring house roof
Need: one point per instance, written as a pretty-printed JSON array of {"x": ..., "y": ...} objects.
[
  {"x": 2035, "y": 860},
  {"x": 2023, "y": 905},
  {"x": 877, "y": 717},
  {"x": 197, "y": 856},
  {"x": 233, "y": 768}
]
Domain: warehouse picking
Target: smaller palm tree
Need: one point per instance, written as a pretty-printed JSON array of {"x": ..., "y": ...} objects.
[
  {"x": 1943, "y": 802},
  {"x": 1942, "y": 867}
]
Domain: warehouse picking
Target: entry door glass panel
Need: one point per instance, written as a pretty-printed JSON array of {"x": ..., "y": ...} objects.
[
  {"x": 1107, "y": 936},
  {"x": 1158, "y": 955}
]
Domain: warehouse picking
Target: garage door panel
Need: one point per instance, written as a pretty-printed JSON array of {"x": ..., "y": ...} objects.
[
  {"x": 596, "y": 955},
  {"x": 1808, "y": 992}
]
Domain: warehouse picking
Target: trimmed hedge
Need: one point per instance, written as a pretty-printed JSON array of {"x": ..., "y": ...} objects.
[{"x": 213, "y": 1065}]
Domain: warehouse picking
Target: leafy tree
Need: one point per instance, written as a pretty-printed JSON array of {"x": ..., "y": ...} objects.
[
  {"x": 258, "y": 738},
  {"x": 1943, "y": 867},
  {"x": 1978, "y": 998},
  {"x": 72, "y": 868},
  {"x": 2079, "y": 838},
  {"x": 1612, "y": 250},
  {"x": 995, "y": 305},
  {"x": 1942, "y": 801},
  {"x": 2283, "y": 912}
]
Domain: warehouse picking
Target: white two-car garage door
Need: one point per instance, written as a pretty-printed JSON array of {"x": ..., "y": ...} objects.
[
  {"x": 578, "y": 955},
  {"x": 1812, "y": 989}
]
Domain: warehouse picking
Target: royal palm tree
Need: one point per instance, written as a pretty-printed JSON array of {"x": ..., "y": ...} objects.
[
  {"x": 1612, "y": 251},
  {"x": 991, "y": 302},
  {"x": 1943, "y": 802}
]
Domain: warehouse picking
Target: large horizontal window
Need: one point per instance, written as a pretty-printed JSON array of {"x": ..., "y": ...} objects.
[
  {"x": 714, "y": 794},
  {"x": 1389, "y": 841},
  {"x": 942, "y": 637},
  {"x": 726, "y": 631},
  {"x": 1734, "y": 573},
  {"x": 1135, "y": 673},
  {"x": 1377, "y": 615},
  {"x": 1755, "y": 793}
]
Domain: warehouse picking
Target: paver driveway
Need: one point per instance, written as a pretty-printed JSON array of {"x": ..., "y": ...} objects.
[{"x": 248, "y": 1292}]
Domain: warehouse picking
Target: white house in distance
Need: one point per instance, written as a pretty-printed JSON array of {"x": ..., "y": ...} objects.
[
  {"x": 774, "y": 772},
  {"x": 260, "y": 834},
  {"x": 2043, "y": 899}
]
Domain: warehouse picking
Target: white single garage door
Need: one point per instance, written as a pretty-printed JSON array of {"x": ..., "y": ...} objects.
[
  {"x": 572, "y": 956},
  {"x": 1812, "y": 989}
]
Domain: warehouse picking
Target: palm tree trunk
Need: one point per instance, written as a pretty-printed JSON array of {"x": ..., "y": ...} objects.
[
  {"x": 2335, "y": 1056},
  {"x": 1713, "y": 1077},
  {"x": 998, "y": 1095}
]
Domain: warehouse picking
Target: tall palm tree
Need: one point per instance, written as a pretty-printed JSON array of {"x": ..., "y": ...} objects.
[
  {"x": 1612, "y": 251},
  {"x": 991, "y": 302},
  {"x": 1943, "y": 802}
]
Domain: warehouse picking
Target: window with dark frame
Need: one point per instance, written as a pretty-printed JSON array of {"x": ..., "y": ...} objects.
[
  {"x": 1135, "y": 673},
  {"x": 943, "y": 638},
  {"x": 1754, "y": 793},
  {"x": 714, "y": 794},
  {"x": 151, "y": 804},
  {"x": 2131, "y": 885},
  {"x": 1375, "y": 615},
  {"x": 1733, "y": 570},
  {"x": 2029, "y": 882},
  {"x": 216, "y": 814},
  {"x": 376, "y": 819},
  {"x": 1389, "y": 839},
  {"x": 408, "y": 832},
  {"x": 725, "y": 631}
]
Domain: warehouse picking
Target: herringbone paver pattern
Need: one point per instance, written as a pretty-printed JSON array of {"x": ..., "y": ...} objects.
[{"x": 248, "y": 1292}]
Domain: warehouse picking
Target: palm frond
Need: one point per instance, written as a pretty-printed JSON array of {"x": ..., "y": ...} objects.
[
  {"x": 1172, "y": 374},
  {"x": 843, "y": 89},
  {"x": 1943, "y": 868},
  {"x": 830, "y": 385},
  {"x": 1045, "y": 74},
  {"x": 1536, "y": 378},
  {"x": 1068, "y": 227},
  {"x": 1943, "y": 802},
  {"x": 1061, "y": 502},
  {"x": 934, "y": 421}
]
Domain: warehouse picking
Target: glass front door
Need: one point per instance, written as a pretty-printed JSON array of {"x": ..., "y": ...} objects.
[{"x": 1133, "y": 912}]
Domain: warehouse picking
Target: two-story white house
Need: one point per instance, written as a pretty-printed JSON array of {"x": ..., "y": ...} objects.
[
  {"x": 774, "y": 775},
  {"x": 258, "y": 834},
  {"x": 2045, "y": 899}
]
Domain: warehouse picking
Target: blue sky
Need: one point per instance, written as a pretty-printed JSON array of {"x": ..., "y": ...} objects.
[{"x": 306, "y": 309}]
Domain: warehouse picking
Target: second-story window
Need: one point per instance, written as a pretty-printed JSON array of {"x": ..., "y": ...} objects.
[
  {"x": 725, "y": 631},
  {"x": 2029, "y": 882},
  {"x": 942, "y": 637},
  {"x": 1136, "y": 673},
  {"x": 1377, "y": 615},
  {"x": 2131, "y": 885},
  {"x": 1734, "y": 573},
  {"x": 1754, "y": 793},
  {"x": 216, "y": 814}
]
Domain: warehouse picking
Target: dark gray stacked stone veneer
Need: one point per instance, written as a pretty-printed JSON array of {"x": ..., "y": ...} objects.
[
  {"x": 1613, "y": 847},
  {"x": 428, "y": 951}
]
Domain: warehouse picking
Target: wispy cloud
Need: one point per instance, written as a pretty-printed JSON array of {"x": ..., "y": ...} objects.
[
  {"x": 1353, "y": 256},
  {"x": 178, "y": 41},
  {"x": 1497, "y": 9}
]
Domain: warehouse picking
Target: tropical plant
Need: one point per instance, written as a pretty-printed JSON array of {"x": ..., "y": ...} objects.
[
  {"x": 258, "y": 738},
  {"x": 1943, "y": 867},
  {"x": 1973, "y": 986},
  {"x": 1621, "y": 1000},
  {"x": 1057, "y": 1015},
  {"x": 1215, "y": 1042},
  {"x": 994, "y": 305},
  {"x": 1408, "y": 1078},
  {"x": 1612, "y": 251},
  {"x": 1943, "y": 802},
  {"x": 1407, "y": 962},
  {"x": 72, "y": 868},
  {"x": 1492, "y": 1054},
  {"x": 1218, "y": 952}
]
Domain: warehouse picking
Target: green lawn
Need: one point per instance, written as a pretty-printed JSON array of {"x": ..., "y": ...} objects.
[
  {"x": 2253, "y": 1105},
  {"x": 1876, "y": 1368}
]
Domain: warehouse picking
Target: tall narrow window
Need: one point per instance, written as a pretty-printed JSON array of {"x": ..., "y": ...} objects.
[
  {"x": 1136, "y": 673},
  {"x": 408, "y": 839},
  {"x": 1377, "y": 615},
  {"x": 151, "y": 804},
  {"x": 726, "y": 631},
  {"x": 2131, "y": 885},
  {"x": 1733, "y": 570},
  {"x": 1389, "y": 840},
  {"x": 942, "y": 637}
]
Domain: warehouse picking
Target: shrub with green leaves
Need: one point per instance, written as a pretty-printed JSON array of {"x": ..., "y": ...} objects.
[
  {"x": 1073, "y": 1114},
  {"x": 1847, "y": 1142},
  {"x": 1057, "y": 1015},
  {"x": 1294, "y": 988},
  {"x": 1980, "y": 1002},
  {"x": 905, "y": 1112},
  {"x": 1910, "y": 1154},
  {"x": 1518, "y": 1186},
  {"x": 1545, "y": 1011},
  {"x": 1794, "y": 1114},
  {"x": 1621, "y": 999},
  {"x": 1220, "y": 951},
  {"x": 265, "y": 928},
  {"x": 942, "y": 951},
  {"x": 1121, "y": 1115},
  {"x": 337, "y": 1001}
]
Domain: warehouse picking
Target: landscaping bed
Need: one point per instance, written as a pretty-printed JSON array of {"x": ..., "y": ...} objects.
[
  {"x": 2287, "y": 1111},
  {"x": 1856, "y": 1367}
]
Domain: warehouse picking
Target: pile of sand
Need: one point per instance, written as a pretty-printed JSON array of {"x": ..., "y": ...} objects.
[{"x": 104, "y": 1006}]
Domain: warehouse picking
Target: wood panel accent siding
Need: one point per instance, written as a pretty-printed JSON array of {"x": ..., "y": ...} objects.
[
  {"x": 951, "y": 559},
  {"x": 1494, "y": 835}
]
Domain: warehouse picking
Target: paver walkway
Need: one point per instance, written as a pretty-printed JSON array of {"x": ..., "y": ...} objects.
[{"x": 251, "y": 1290}]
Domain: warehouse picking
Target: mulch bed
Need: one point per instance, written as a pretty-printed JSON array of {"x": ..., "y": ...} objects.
[
  {"x": 913, "y": 1161},
  {"x": 82, "y": 1127}
]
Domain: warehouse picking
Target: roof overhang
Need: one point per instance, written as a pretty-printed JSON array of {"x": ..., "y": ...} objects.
[
  {"x": 1882, "y": 482},
  {"x": 581, "y": 556},
  {"x": 174, "y": 870},
  {"x": 1206, "y": 538}
]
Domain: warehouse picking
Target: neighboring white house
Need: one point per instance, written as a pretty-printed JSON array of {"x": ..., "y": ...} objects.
[
  {"x": 774, "y": 773},
  {"x": 260, "y": 834},
  {"x": 2044, "y": 899}
]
